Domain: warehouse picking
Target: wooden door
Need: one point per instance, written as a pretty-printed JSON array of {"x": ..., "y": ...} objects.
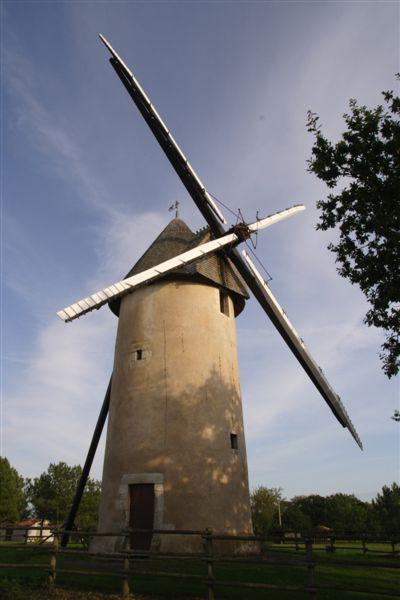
[{"x": 141, "y": 514}]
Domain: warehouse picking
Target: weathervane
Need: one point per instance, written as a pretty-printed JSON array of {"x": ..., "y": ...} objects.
[{"x": 175, "y": 207}]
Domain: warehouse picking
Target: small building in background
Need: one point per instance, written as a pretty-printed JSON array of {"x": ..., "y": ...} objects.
[{"x": 27, "y": 530}]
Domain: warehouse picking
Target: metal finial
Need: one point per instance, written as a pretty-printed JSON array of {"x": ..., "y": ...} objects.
[{"x": 175, "y": 207}]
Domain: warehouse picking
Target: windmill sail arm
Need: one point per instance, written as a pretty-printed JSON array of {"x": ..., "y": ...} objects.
[
  {"x": 126, "y": 285},
  {"x": 160, "y": 130},
  {"x": 116, "y": 290},
  {"x": 300, "y": 350},
  {"x": 186, "y": 173},
  {"x": 197, "y": 193},
  {"x": 279, "y": 216}
]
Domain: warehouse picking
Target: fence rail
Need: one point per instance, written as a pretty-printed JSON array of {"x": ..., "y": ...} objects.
[{"x": 125, "y": 559}]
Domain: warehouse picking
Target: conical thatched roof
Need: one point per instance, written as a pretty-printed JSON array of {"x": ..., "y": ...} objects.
[{"x": 215, "y": 269}]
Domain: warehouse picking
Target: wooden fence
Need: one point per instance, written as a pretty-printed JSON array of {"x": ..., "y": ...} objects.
[
  {"x": 127, "y": 562},
  {"x": 331, "y": 543}
]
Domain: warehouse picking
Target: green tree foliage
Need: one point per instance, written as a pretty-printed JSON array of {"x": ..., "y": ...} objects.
[
  {"x": 313, "y": 507},
  {"x": 364, "y": 167},
  {"x": 13, "y": 500},
  {"x": 346, "y": 514},
  {"x": 264, "y": 509},
  {"x": 52, "y": 493},
  {"x": 386, "y": 510},
  {"x": 293, "y": 519},
  {"x": 88, "y": 513}
]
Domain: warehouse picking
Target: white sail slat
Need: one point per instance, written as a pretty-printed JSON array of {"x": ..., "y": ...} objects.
[
  {"x": 279, "y": 216},
  {"x": 121, "y": 287},
  {"x": 89, "y": 301}
]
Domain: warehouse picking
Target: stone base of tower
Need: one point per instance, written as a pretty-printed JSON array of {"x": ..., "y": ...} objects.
[
  {"x": 194, "y": 544},
  {"x": 105, "y": 545},
  {"x": 178, "y": 544},
  {"x": 169, "y": 506}
]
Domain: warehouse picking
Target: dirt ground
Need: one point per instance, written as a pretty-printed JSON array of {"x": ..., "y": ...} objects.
[{"x": 60, "y": 594}]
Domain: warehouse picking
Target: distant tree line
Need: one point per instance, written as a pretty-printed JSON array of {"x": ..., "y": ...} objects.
[
  {"x": 343, "y": 513},
  {"x": 48, "y": 496}
]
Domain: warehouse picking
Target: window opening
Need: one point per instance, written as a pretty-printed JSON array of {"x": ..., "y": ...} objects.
[
  {"x": 234, "y": 441},
  {"x": 224, "y": 303},
  {"x": 138, "y": 354}
]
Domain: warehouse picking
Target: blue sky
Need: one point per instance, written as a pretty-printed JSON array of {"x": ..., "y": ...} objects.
[{"x": 86, "y": 189}]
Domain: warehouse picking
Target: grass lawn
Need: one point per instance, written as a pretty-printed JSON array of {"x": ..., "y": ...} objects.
[{"x": 346, "y": 574}]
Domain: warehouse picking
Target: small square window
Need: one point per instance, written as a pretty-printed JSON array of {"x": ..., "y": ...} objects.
[
  {"x": 224, "y": 303},
  {"x": 234, "y": 441},
  {"x": 138, "y": 354}
]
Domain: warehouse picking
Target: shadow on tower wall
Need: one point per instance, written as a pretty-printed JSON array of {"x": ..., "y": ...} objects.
[{"x": 185, "y": 435}]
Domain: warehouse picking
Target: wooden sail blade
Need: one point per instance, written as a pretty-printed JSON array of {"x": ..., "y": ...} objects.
[
  {"x": 157, "y": 122},
  {"x": 126, "y": 285},
  {"x": 313, "y": 369},
  {"x": 279, "y": 216}
]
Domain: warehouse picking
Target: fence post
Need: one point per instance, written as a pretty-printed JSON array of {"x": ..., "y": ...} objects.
[
  {"x": 53, "y": 560},
  {"x": 364, "y": 546},
  {"x": 125, "y": 579},
  {"x": 311, "y": 569},
  {"x": 296, "y": 535},
  {"x": 208, "y": 547}
]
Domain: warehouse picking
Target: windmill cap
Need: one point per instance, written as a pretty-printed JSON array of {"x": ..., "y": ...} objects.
[{"x": 214, "y": 269}]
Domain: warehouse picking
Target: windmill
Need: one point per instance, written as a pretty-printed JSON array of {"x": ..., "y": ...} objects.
[{"x": 175, "y": 451}]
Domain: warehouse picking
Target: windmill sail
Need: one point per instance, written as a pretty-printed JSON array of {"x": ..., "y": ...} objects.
[
  {"x": 196, "y": 191},
  {"x": 125, "y": 285},
  {"x": 328, "y": 393},
  {"x": 271, "y": 219},
  {"x": 164, "y": 129}
]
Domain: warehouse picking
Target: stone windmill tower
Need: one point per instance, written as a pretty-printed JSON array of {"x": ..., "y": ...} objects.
[{"x": 175, "y": 452}]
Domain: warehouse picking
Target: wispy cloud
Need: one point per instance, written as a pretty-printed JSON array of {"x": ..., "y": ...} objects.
[
  {"x": 47, "y": 133},
  {"x": 63, "y": 377},
  {"x": 62, "y": 383}
]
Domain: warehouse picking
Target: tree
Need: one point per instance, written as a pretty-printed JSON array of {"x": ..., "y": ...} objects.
[
  {"x": 386, "y": 509},
  {"x": 346, "y": 514},
  {"x": 52, "y": 493},
  {"x": 13, "y": 501},
  {"x": 265, "y": 508},
  {"x": 364, "y": 167},
  {"x": 314, "y": 507},
  {"x": 88, "y": 512},
  {"x": 293, "y": 519},
  {"x": 343, "y": 513}
]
